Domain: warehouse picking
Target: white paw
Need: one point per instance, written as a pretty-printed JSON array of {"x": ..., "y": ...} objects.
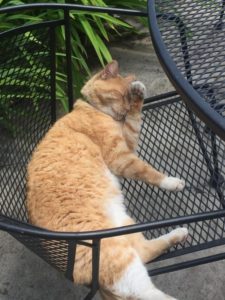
[
  {"x": 172, "y": 184},
  {"x": 180, "y": 234},
  {"x": 138, "y": 88},
  {"x": 177, "y": 236}
]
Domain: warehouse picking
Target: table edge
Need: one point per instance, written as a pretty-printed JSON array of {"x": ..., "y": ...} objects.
[{"x": 190, "y": 96}]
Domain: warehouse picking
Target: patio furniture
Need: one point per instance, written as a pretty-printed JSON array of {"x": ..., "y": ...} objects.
[{"x": 182, "y": 134}]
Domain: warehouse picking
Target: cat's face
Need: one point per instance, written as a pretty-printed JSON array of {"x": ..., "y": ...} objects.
[{"x": 109, "y": 92}]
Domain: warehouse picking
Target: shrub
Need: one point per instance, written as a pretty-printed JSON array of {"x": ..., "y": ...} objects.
[{"x": 90, "y": 34}]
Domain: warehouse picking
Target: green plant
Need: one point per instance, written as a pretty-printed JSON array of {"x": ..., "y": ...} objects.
[{"x": 90, "y": 34}]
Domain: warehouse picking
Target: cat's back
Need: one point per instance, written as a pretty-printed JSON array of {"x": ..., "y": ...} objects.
[
  {"x": 74, "y": 140},
  {"x": 66, "y": 143},
  {"x": 67, "y": 174}
]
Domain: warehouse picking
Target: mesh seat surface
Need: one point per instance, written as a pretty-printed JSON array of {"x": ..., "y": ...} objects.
[{"x": 168, "y": 142}]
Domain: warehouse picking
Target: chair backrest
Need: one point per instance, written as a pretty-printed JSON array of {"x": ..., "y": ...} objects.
[{"x": 27, "y": 108}]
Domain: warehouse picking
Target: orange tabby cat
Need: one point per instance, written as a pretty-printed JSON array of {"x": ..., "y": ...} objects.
[{"x": 72, "y": 183}]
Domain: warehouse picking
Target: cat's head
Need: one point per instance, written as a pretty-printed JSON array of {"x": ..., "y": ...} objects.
[{"x": 109, "y": 92}]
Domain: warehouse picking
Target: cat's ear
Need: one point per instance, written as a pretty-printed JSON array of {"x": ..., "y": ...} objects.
[{"x": 110, "y": 71}]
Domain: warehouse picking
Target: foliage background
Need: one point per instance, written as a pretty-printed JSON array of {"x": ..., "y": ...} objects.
[{"x": 91, "y": 34}]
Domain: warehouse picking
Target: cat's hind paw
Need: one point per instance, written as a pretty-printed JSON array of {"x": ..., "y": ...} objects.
[
  {"x": 172, "y": 184},
  {"x": 177, "y": 236},
  {"x": 138, "y": 89}
]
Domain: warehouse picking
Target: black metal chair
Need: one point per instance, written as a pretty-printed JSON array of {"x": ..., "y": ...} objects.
[{"x": 173, "y": 138}]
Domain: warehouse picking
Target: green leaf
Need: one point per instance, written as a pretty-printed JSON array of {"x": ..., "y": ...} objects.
[
  {"x": 24, "y": 17},
  {"x": 111, "y": 20},
  {"x": 92, "y": 36},
  {"x": 105, "y": 52},
  {"x": 101, "y": 27}
]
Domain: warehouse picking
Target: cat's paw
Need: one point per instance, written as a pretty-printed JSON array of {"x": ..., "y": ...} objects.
[
  {"x": 172, "y": 184},
  {"x": 177, "y": 236},
  {"x": 138, "y": 89}
]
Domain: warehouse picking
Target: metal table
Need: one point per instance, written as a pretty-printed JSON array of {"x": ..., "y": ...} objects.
[{"x": 189, "y": 39}]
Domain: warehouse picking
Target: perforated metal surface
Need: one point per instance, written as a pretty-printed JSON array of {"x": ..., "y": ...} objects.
[
  {"x": 25, "y": 111},
  {"x": 194, "y": 35},
  {"x": 52, "y": 251},
  {"x": 169, "y": 142}
]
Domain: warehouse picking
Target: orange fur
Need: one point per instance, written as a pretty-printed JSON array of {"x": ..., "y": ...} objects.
[{"x": 68, "y": 176}]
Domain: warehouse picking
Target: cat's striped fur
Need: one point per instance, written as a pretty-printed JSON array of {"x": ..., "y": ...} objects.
[{"x": 72, "y": 183}]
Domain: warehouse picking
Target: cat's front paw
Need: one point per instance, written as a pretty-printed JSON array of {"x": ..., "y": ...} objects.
[
  {"x": 172, "y": 184},
  {"x": 138, "y": 89}
]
